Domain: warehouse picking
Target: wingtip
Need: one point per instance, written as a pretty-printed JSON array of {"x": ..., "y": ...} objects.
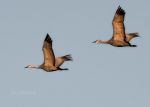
[
  {"x": 68, "y": 57},
  {"x": 136, "y": 34},
  {"x": 47, "y": 38},
  {"x": 47, "y": 34},
  {"x": 119, "y": 7},
  {"x": 120, "y": 11}
]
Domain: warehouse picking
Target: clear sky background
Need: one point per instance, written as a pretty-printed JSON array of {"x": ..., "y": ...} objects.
[{"x": 99, "y": 75}]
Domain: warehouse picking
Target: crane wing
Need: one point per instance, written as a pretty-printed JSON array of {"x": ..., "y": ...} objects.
[
  {"x": 49, "y": 57},
  {"x": 60, "y": 60},
  {"x": 118, "y": 25},
  {"x": 130, "y": 36}
]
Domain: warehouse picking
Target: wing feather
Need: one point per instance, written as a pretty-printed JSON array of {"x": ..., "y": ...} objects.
[
  {"x": 118, "y": 25},
  {"x": 60, "y": 60},
  {"x": 131, "y": 35},
  {"x": 49, "y": 57}
]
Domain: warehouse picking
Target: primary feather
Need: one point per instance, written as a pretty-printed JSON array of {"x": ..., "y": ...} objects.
[{"x": 49, "y": 57}]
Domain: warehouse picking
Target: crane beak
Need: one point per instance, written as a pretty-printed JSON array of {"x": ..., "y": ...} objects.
[{"x": 94, "y": 42}]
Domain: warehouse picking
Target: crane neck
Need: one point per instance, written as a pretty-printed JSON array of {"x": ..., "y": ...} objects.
[{"x": 35, "y": 67}]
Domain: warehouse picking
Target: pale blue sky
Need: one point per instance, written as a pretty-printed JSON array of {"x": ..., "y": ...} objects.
[{"x": 99, "y": 76}]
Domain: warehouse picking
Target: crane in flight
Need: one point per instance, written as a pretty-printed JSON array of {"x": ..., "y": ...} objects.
[
  {"x": 119, "y": 38},
  {"x": 50, "y": 62}
]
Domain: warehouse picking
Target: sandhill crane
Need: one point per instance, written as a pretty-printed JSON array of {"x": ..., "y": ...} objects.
[
  {"x": 119, "y": 39},
  {"x": 50, "y": 62}
]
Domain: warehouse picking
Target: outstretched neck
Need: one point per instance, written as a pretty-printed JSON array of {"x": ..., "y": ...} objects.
[
  {"x": 30, "y": 66},
  {"x": 103, "y": 42},
  {"x": 35, "y": 67}
]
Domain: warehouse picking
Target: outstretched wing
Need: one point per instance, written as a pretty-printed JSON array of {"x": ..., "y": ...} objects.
[
  {"x": 60, "y": 60},
  {"x": 118, "y": 25},
  {"x": 130, "y": 36},
  {"x": 49, "y": 57}
]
